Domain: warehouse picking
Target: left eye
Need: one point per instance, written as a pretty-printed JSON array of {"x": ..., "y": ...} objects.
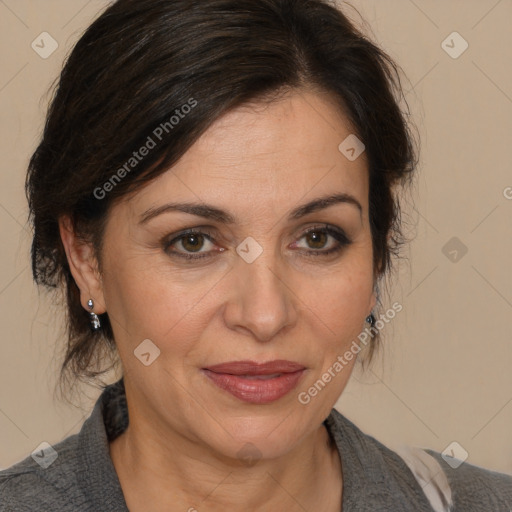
[
  {"x": 316, "y": 238},
  {"x": 193, "y": 241}
]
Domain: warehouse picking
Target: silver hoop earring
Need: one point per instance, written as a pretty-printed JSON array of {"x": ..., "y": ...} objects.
[{"x": 95, "y": 321}]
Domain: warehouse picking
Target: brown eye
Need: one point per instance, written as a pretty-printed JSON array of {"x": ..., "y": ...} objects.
[
  {"x": 318, "y": 239},
  {"x": 192, "y": 242},
  {"x": 189, "y": 245}
]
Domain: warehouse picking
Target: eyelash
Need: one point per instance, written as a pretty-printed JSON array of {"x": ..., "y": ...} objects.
[{"x": 338, "y": 235}]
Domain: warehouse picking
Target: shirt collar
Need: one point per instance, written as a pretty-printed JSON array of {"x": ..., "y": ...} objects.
[{"x": 96, "y": 474}]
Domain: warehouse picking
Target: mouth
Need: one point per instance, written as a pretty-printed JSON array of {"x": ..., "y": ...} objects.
[{"x": 257, "y": 383}]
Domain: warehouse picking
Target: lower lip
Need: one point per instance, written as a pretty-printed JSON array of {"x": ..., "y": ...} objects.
[{"x": 256, "y": 391}]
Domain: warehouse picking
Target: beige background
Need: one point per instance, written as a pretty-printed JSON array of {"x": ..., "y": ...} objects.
[{"x": 444, "y": 374}]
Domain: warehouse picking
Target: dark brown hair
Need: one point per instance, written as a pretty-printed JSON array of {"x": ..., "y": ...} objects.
[{"x": 140, "y": 63}]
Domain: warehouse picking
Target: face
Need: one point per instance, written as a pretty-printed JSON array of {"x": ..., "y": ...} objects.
[{"x": 264, "y": 281}]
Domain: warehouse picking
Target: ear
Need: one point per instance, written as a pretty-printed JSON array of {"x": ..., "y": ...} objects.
[{"x": 83, "y": 266}]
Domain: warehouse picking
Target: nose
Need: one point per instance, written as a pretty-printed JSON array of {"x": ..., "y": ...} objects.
[{"x": 263, "y": 304}]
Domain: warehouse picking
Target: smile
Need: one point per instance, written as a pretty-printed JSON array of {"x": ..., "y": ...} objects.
[{"x": 257, "y": 383}]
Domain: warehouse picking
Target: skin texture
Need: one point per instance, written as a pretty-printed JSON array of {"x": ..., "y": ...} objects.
[{"x": 182, "y": 448}]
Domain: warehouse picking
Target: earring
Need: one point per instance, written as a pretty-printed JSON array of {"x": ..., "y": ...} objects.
[
  {"x": 371, "y": 319},
  {"x": 95, "y": 321}
]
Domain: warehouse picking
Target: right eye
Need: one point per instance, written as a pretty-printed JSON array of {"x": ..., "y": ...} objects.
[{"x": 191, "y": 242}]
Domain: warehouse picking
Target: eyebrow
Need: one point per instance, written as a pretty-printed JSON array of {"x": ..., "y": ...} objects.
[{"x": 211, "y": 212}]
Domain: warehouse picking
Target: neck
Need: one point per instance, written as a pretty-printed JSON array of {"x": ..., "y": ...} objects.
[{"x": 172, "y": 473}]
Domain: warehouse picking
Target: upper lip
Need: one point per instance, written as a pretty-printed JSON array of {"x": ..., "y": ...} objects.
[{"x": 255, "y": 368}]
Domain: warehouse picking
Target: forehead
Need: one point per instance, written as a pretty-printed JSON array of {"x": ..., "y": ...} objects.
[{"x": 284, "y": 150}]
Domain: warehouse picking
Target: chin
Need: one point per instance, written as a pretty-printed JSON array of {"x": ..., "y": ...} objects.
[{"x": 251, "y": 437}]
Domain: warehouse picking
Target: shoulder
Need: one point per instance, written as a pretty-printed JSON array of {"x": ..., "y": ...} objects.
[
  {"x": 466, "y": 488},
  {"x": 372, "y": 454},
  {"x": 376, "y": 474},
  {"x": 44, "y": 480},
  {"x": 475, "y": 488}
]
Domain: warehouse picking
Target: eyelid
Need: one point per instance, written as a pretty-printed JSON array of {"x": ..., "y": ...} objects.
[
  {"x": 329, "y": 229},
  {"x": 337, "y": 233},
  {"x": 169, "y": 240}
]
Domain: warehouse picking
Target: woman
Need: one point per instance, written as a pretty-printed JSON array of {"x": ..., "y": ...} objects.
[{"x": 216, "y": 193}]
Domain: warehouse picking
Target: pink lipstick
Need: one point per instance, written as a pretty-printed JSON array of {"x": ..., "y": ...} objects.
[{"x": 257, "y": 383}]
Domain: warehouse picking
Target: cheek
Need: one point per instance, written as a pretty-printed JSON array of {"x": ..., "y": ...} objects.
[
  {"x": 337, "y": 309},
  {"x": 337, "y": 301},
  {"x": 155, "y": 302},
  {"x": 345, "y": 301}
]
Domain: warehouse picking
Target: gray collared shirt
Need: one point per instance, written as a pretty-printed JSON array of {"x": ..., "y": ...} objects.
[{"x": 83, "y": 478}]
